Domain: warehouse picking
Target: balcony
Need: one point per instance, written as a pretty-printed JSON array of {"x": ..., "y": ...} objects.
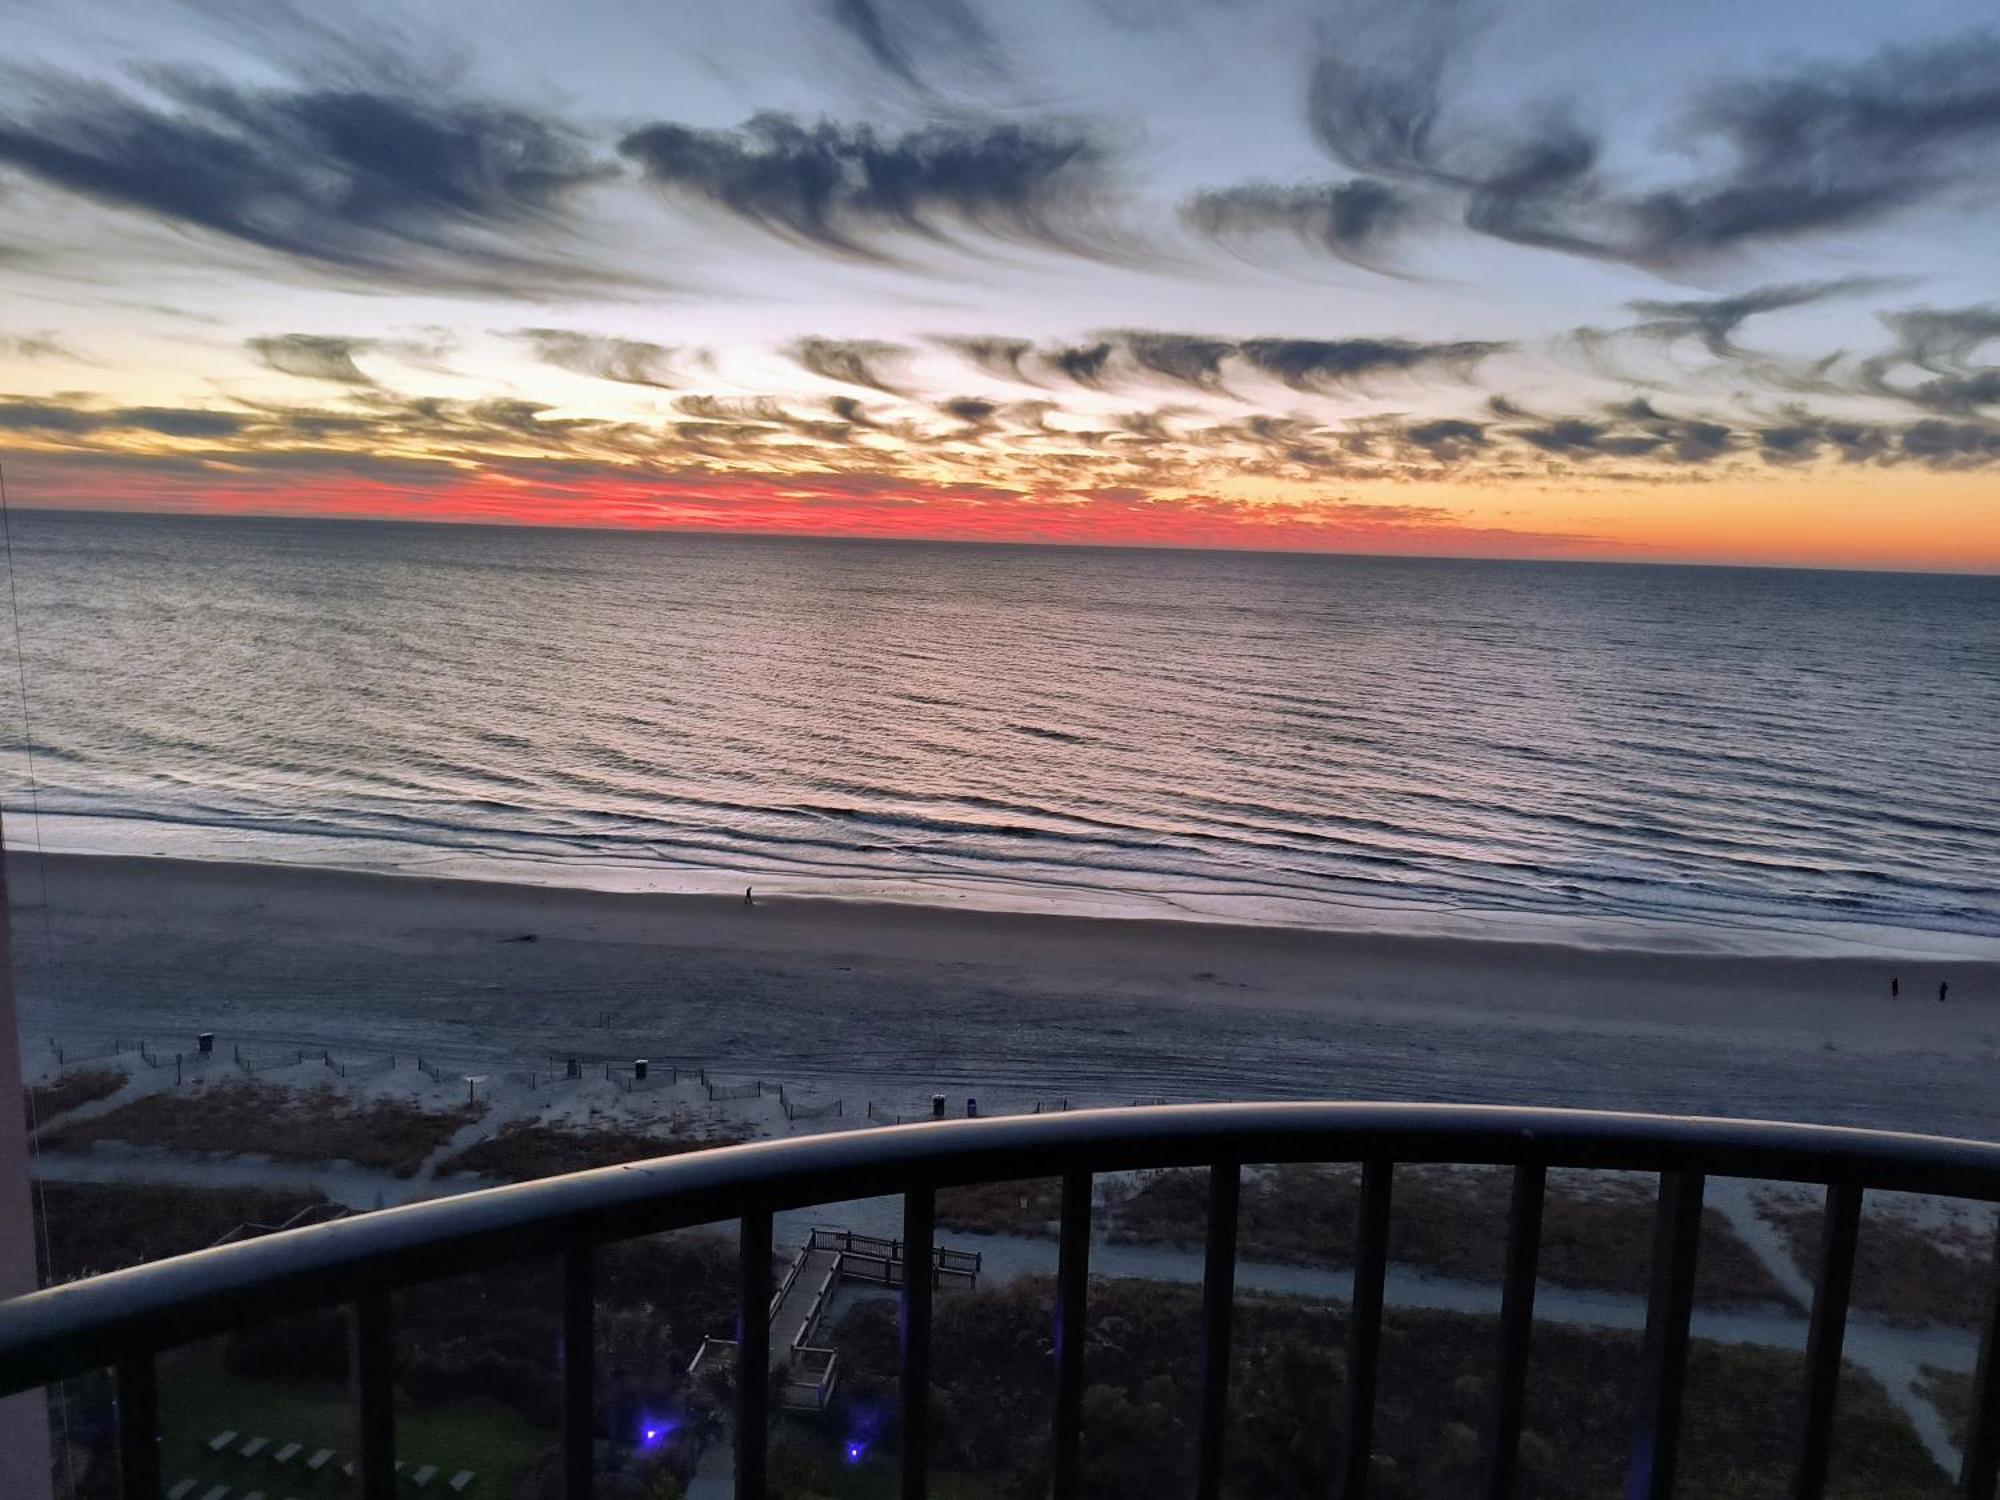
[{"x": 126, "y": 1320}]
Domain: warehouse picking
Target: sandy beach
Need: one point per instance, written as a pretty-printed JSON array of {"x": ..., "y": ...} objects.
[{"x": 890, "y": 1002}]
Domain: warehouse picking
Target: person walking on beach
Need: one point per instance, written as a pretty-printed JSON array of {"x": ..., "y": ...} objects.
[
  {"x": 1943, "y": 987},
  {"x": 746, "y": 897},
  {"x": 1895, "y": 987}
]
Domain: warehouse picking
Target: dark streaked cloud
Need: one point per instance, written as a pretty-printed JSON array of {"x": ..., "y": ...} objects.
[
  {"x": 1938, "y": 344},
  {"x": 34, "y": 346},
  {"x": 1357, "y": 220},
  {"x": 169, "y": 421},
  {"x": 1333, "y": 364},
  {"x": 1833, "y": 145},
  {"x": 844, "y": 188},
  {"x": 1802, "y": 436},
  {"x": 1630, "y": 430},
  {"x": 1578, "y": 437},
  {"x": 869, "y": 363},
  {"x": 1120, "y": 357},
  {"x": 1951, "y": 445},
  {"x": 1943, "y": 339},
  {"x": 1818, "y": 147},
  {"x": 451, "y": 195},
  {"x": 1084, "y": 364},
  {"x": 1184, "y": 358},
  {"x": 626, "y": 361},
  {"x": 906, "y": 37},
  {"x": 975, "y": 415},
  {"x": 313, "y": 356},
  {"x": 1712, "y": 321},
  {"x": 995, "y": 355}
]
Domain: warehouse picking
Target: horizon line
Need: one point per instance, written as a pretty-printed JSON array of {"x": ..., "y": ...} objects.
[{"x": 947, "y": 541}]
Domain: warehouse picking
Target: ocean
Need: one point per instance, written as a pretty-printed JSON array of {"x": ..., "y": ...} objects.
[{"x": 1632, "y": 755}]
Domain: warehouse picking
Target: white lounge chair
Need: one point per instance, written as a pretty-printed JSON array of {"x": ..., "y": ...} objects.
[
  {"x": 287, "y": 1453},
  {"x": 462, "y": 1480},
  {"x": 254, "y": 1447},
  {"x": 222, "y": 1440},
  {"x": 424, "y": 1475},
  {"x": 254, "y": 1495},
  {"x": 319, "y": 1460},
  {"x": 182, "y": 1489},
  {"x": 218, "y": 1492}
]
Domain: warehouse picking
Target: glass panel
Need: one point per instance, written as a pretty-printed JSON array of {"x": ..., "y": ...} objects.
[
  {"x": 1294, "y": 1274},
  {"x": 666, "y": 1367},
  {"x": 1141, "y": 1379},
  {"x": 476, "y": 1381},
  {"x": 992, "y": 1366},
  {"x": 266, "y": 1407}
]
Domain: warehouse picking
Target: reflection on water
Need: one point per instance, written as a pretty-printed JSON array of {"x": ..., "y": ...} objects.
[{"x": 1240, "y": 735}]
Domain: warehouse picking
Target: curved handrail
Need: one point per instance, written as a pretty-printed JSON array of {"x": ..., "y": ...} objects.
[{"x": 62, "y": 1331}]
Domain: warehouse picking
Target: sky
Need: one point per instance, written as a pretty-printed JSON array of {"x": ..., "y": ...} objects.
[{"x": 1548, "y": 278}]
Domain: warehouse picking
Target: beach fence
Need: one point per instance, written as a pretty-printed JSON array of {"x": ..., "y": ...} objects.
[
  {"x": 717, "y": 1092},
  {"x": 885, "y": 1115},
  {"x": 76, "y": 1052},
  {"x": 628, "y": 1077},
  {"x": 622, "y": 1069},
  {"x": 250, "y": 1062},
  {"x": 364, "y": 1068},
  {"x": 1050, "y": 1107},
  {"x": 799, "y": 1110}
]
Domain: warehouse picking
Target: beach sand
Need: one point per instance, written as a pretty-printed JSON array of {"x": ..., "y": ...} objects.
[{"x": 891, "y": 1002}]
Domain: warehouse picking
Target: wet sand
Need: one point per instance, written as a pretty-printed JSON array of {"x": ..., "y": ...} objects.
[{"x": 893, "y": 1001}]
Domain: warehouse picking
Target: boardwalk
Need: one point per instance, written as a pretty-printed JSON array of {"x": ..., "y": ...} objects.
[{"x": 804, "y": 1299}]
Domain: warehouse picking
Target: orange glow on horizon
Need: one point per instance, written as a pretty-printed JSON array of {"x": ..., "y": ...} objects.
[{"x": 1900, "y": 520}]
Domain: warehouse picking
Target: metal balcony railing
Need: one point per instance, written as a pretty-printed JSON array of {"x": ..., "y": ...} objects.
[{"x": 125, "y": 1319}]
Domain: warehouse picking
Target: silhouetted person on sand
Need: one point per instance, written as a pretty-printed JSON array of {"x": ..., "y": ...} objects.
[
  {"x": 1943, "y": 987},
  {"x": 1895, "y": 988},
  {"x": 748, "y": 902}
]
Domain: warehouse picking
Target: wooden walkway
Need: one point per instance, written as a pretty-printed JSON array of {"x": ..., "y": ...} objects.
[{"x": 802, "y": 1303}]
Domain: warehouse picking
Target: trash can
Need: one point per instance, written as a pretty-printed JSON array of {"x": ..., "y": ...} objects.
[
  {"x": 972, "y": 1109},
  {"x": 639, "y": 1066},
  {"x": 205, "y": 1043},
  {"x": 575, "y": 1068},
  {"x": 937, "y": 1106}
]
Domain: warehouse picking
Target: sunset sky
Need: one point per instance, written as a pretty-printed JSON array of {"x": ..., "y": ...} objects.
[{"x": 1708, "y": 281}]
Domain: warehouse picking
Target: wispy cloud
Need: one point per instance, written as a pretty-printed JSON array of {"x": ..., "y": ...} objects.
[
  {"x": 870, "y": 363},
  {"x": 1817, "y": 147},
  {"x": 447, "y": 194},
  {"x": 1359, "y": 221},
  {"x": 313, "y": 356},
  {"x": 850, "y": 190},
  {"x": 1124, "y": 356},
  {"x": 34, "y": 346},
  {"x": 74, "y": 419},
  {"x": 1347, "y": 364},
  {"x": 1712, "y": 321},
  {"x": 1937, "y": 344},
  {"x": 909, "y": 39},
  {"x": 626, "y": 361}
]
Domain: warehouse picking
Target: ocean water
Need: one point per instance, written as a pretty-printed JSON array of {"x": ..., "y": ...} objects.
[{"x": 1651, "y": 755}]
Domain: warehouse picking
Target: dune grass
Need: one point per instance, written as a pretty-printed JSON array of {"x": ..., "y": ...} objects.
[
  {"x": 523, "y": 1150},
  {"x": 85, "y": 1086},
  {"x": 392, "y": 1135}
]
